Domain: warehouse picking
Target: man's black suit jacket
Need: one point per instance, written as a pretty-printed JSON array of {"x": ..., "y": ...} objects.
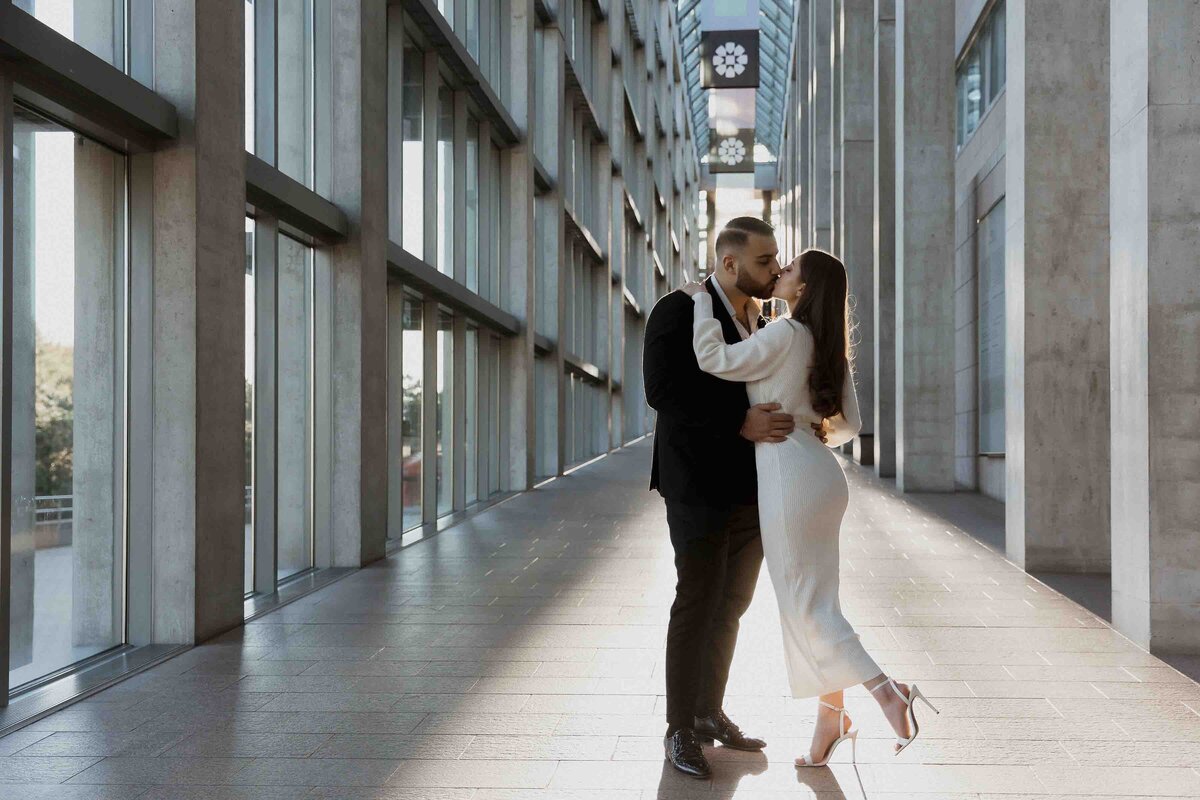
[{"x": 700, "y": 457}]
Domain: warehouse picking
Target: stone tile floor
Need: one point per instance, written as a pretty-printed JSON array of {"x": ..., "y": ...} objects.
[{"x": 519, "y": 655}]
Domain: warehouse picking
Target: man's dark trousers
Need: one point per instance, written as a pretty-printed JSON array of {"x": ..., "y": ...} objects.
[
  {"x": 705, "y": 470},
  {"x": 718, "y": 553}
]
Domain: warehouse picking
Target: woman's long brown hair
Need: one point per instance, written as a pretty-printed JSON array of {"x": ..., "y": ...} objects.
[{"x": 822, "y": 308}]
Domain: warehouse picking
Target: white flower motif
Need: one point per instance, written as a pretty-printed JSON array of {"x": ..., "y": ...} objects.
[
  {"x": 730, "y": 60},
  {"x": 731, "y": 151}
]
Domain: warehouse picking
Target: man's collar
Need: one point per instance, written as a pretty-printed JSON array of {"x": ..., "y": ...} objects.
[{"x": 724, "y": 298}]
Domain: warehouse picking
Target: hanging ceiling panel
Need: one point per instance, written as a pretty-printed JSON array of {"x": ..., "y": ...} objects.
[{"x": 775, "y": 23}]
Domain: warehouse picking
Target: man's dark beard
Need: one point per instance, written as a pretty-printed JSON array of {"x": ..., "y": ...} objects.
[{"x": 751, "y": 288}]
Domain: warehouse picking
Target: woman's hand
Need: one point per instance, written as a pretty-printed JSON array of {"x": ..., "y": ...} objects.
[
  {"x": 692, "y": 288},
  {"x": 819, "y": 431}
]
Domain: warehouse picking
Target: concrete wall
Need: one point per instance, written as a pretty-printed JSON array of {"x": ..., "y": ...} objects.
[
  {"x": 199, "y": 286},
  {"x": 1155, "y": 319},
  {"x": 1056, "y": 288},
  {"x": 925, "y": 153}
]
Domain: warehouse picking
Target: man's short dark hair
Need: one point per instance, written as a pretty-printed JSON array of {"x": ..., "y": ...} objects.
[{"x": 737, "y": 232}]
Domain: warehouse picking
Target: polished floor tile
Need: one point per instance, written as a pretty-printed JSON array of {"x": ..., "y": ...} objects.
[{"x": 518, "y": 656}]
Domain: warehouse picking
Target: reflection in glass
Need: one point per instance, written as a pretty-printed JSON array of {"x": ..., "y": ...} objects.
[
  {"x": 998, "y": 61},
  {"x": 98, "y": 27},
  {"x": 412, "y": 354},
  {"x": 472, "y": 205},
  {"x": 471, "y": 434},
  {"x": 294, "y": 407},
  {"x": 66, "y": 576},
  {"x": 473, "y": 28},
  {"x": 248, "y": 519},
  {"x": 412, "y": 214},
  {"x": 445, "y": 413},
  {"x": 445, "y": 180}
]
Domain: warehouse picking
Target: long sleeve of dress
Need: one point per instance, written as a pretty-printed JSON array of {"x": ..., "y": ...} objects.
[
  {"x": 749, "y": 360},
  {"x": 844, "y": 426}
]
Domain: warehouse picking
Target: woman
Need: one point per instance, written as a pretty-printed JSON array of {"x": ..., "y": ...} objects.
[{"x": 802, "y": 362}]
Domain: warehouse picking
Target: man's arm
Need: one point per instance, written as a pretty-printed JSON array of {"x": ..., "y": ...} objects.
[{"x": 667, "y": 364}]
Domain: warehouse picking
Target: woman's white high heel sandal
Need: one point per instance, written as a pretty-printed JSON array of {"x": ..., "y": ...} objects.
[
  {"x": 852, "y": 735},
  {"x": 913, "y": 694}
]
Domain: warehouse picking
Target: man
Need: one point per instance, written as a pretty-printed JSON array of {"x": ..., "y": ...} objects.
[{"x": 704, "y": 469}]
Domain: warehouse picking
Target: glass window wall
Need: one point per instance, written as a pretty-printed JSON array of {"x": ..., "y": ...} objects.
[
  {"x": 445, "y": 180},
  {"x": 99, "y": 27},
  {"x": 413, "y": 357},
  {"x": 981, "y": 74},
  {"x": 471, "y": 432},
  {"x": 248, "y": 438},
  {"x": 412, "y": 152},
  {"x": 66, "y": 574},
  {"x": 472, "y": 205},
  {"x": 445, "y": 412}
]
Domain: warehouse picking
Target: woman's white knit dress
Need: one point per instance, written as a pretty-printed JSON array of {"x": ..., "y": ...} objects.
[{"x": 802, "y": 495}]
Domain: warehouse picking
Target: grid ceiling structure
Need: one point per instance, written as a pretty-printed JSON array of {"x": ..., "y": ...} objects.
[{"x": 775, "y": 22}]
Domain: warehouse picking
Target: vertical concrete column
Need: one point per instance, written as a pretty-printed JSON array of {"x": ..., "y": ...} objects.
[
  {"x": 884, "y": 238},
  {"x": 358, "y": 272},
  {"x": 803, "y": 125},
  {"x": 198, "y": 296},
  {"x": 858, "y": 179},
  {"x": 266, "y": 406},
  {"x": 22, "y": 378},
  {"x": 837, "y": 240},
  {"x": 821, "y": 92},
  {"x": 520, "y": 420},
  {"x": 1155, "y": 319},
  {"x": 1056, "y": 286},
  {"x": 294, "y": 406},
  {"x": 96, "y": 483},
  {"x": 924, "y": 245}
]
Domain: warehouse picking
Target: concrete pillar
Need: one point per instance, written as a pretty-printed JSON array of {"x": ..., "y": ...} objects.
[
  {"x": 23, "y": 381},
  {"x": 292, "y": 84},
  {"x": 266, "y": 410},
  {"x": 96, "y": 598},
  {"x": 803, "y": 126},
  {"x": 1056, "y": 286},
  {"x": 519, "y": 420},
  {"x": 858, "y": 176},
  {"x": 294, "y": 407},
  {"x": 925, "y": 152},
  {"x": 358, "y": 271},
  {"x": 1155, "y": 323},
  {"x": 821, "y": 93},
  {"x": 836, "y": 221},
  {"x": 884, "y": 239},
  {"x": 199, "y": 284}
]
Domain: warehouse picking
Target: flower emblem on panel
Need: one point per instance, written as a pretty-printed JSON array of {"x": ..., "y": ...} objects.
[
  {"x": 730, "y": 60},
  {"x": 731, "y": 151}
]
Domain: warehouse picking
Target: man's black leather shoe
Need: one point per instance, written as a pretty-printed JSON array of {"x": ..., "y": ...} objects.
[
  {"x": 718, "y": 726},
  {"x": 685, "y": 755}
]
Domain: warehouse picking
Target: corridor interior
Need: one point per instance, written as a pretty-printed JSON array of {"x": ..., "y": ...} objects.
[{"x": 519, "y": 655}]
